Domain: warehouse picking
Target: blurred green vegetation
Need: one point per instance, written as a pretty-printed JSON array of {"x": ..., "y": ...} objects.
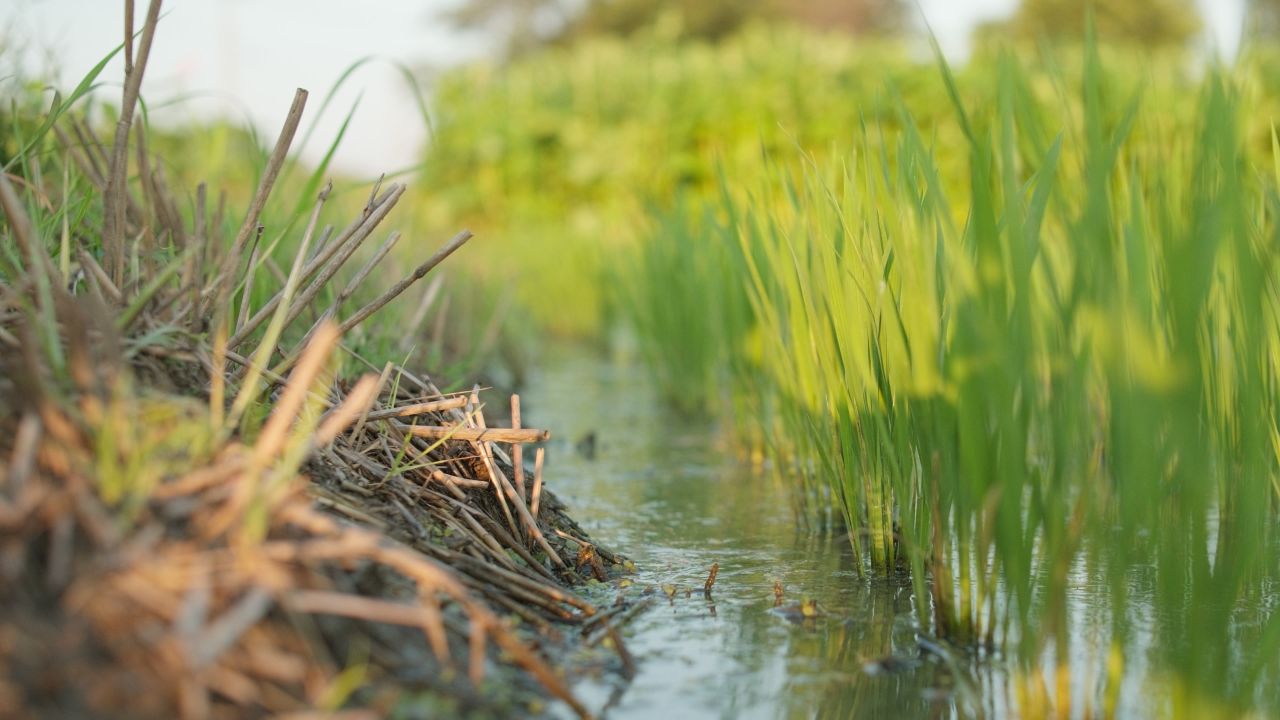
[
  {"x": 1015, "y": 323},
  {"x": 1150, "y": 23},
  {"x": 525, "y": 26},
  {"x": 554, "y": 160},
  {"x": 1262, "y": 21},
  {"x": 1061, "y": 361}
]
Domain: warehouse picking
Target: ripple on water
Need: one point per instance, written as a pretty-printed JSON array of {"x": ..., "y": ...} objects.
[{"x": 661, "y": 491}]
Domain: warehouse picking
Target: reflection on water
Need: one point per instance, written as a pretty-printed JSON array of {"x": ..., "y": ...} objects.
[{"x": 661, "y": 491}]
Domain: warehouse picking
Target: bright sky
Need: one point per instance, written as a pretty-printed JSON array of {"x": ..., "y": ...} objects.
[{"x": 244, "y": 58}]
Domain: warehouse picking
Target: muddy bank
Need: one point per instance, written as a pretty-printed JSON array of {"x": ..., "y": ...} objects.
[{"x": 201, "y": 515}]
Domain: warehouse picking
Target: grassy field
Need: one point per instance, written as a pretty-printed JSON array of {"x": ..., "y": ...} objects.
[{"x": 1016, "y": 323}]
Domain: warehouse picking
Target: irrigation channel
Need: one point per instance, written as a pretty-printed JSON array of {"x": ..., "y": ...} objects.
[{"x": 660, "y": 488}]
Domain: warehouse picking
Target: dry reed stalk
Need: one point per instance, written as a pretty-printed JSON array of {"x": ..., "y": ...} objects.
[
  {"x": 394, "y": 291},
  {"x": 327, "y": 261},
  {"x": 613, "y": 624},
  {"x": 475, "y": 419},
  {"x": 537, "y": 481},
  {"x": 303, "y": 301},
  {"x": 429, "y": 295},
  {"x": 358, "y": 280},
  {"x": 424, "y": 408},
  {"x": 382, "y": 383},
  {"x": 22, "y": 461},
  {"x": 517, "y": 450},
  {"x": 531, "y": 524},
  {"x": 271, "y": 440},
  {"x": 507, "y": 435},
  {"x": 549, "y": 591},
  {"x": 455, "y": 481},
  {"x": 332, "y": 312},
  {"x": 222, "y": 281},
  {"x": 191, "y": 277},
  {"x": 22, "y": 232},
  {"x": 356, "y": 405},
  {"x": 711, "y": 580},
  {"x": 156, "y": 196},
  {"x": 248, "y": 284},
  {"x": 291, "y": 283},
  {"x": 113, "y": 196}
]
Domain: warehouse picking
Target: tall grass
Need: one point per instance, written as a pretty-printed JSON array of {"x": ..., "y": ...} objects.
[
  {"x": 690, "y": 348},
  {"x": 1060, "y": 364}
]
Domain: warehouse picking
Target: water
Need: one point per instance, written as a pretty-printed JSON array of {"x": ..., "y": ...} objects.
[{"x": 661, "y": 491}]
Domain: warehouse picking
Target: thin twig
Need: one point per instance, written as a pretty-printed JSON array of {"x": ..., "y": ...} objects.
[
  {"x": 434, "y": 406},
  {"x": 361, "y": 315},
  {"x": 342, "y": 246},
  {"x": 250, "y": 225},
  {"x": 507, "y": 435}
]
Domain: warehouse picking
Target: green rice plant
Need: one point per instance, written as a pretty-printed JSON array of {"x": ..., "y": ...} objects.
[
  {"x": 684, "y": 262},
  {"x": 1062, "y": 363},
  {"x": 557, "y": 158}
]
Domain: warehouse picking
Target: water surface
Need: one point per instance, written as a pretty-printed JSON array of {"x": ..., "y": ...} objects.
[{"x": 661, "y": 490}]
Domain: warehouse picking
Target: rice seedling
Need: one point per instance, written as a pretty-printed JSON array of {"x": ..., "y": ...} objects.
[
  {"x": 1057, "y": 365},
  {"x": 689, "y": 259}
]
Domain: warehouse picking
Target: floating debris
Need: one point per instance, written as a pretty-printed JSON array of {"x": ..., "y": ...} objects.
[
  {"x": 889, "y": 665},
  {"x": 799, "y": 612},
  {"x": 587, "y": 446},
  {"x": 589, "y": 558}
]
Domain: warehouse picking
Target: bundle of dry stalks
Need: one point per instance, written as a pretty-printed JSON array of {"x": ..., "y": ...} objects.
[{"x": 162, "y": 554}]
